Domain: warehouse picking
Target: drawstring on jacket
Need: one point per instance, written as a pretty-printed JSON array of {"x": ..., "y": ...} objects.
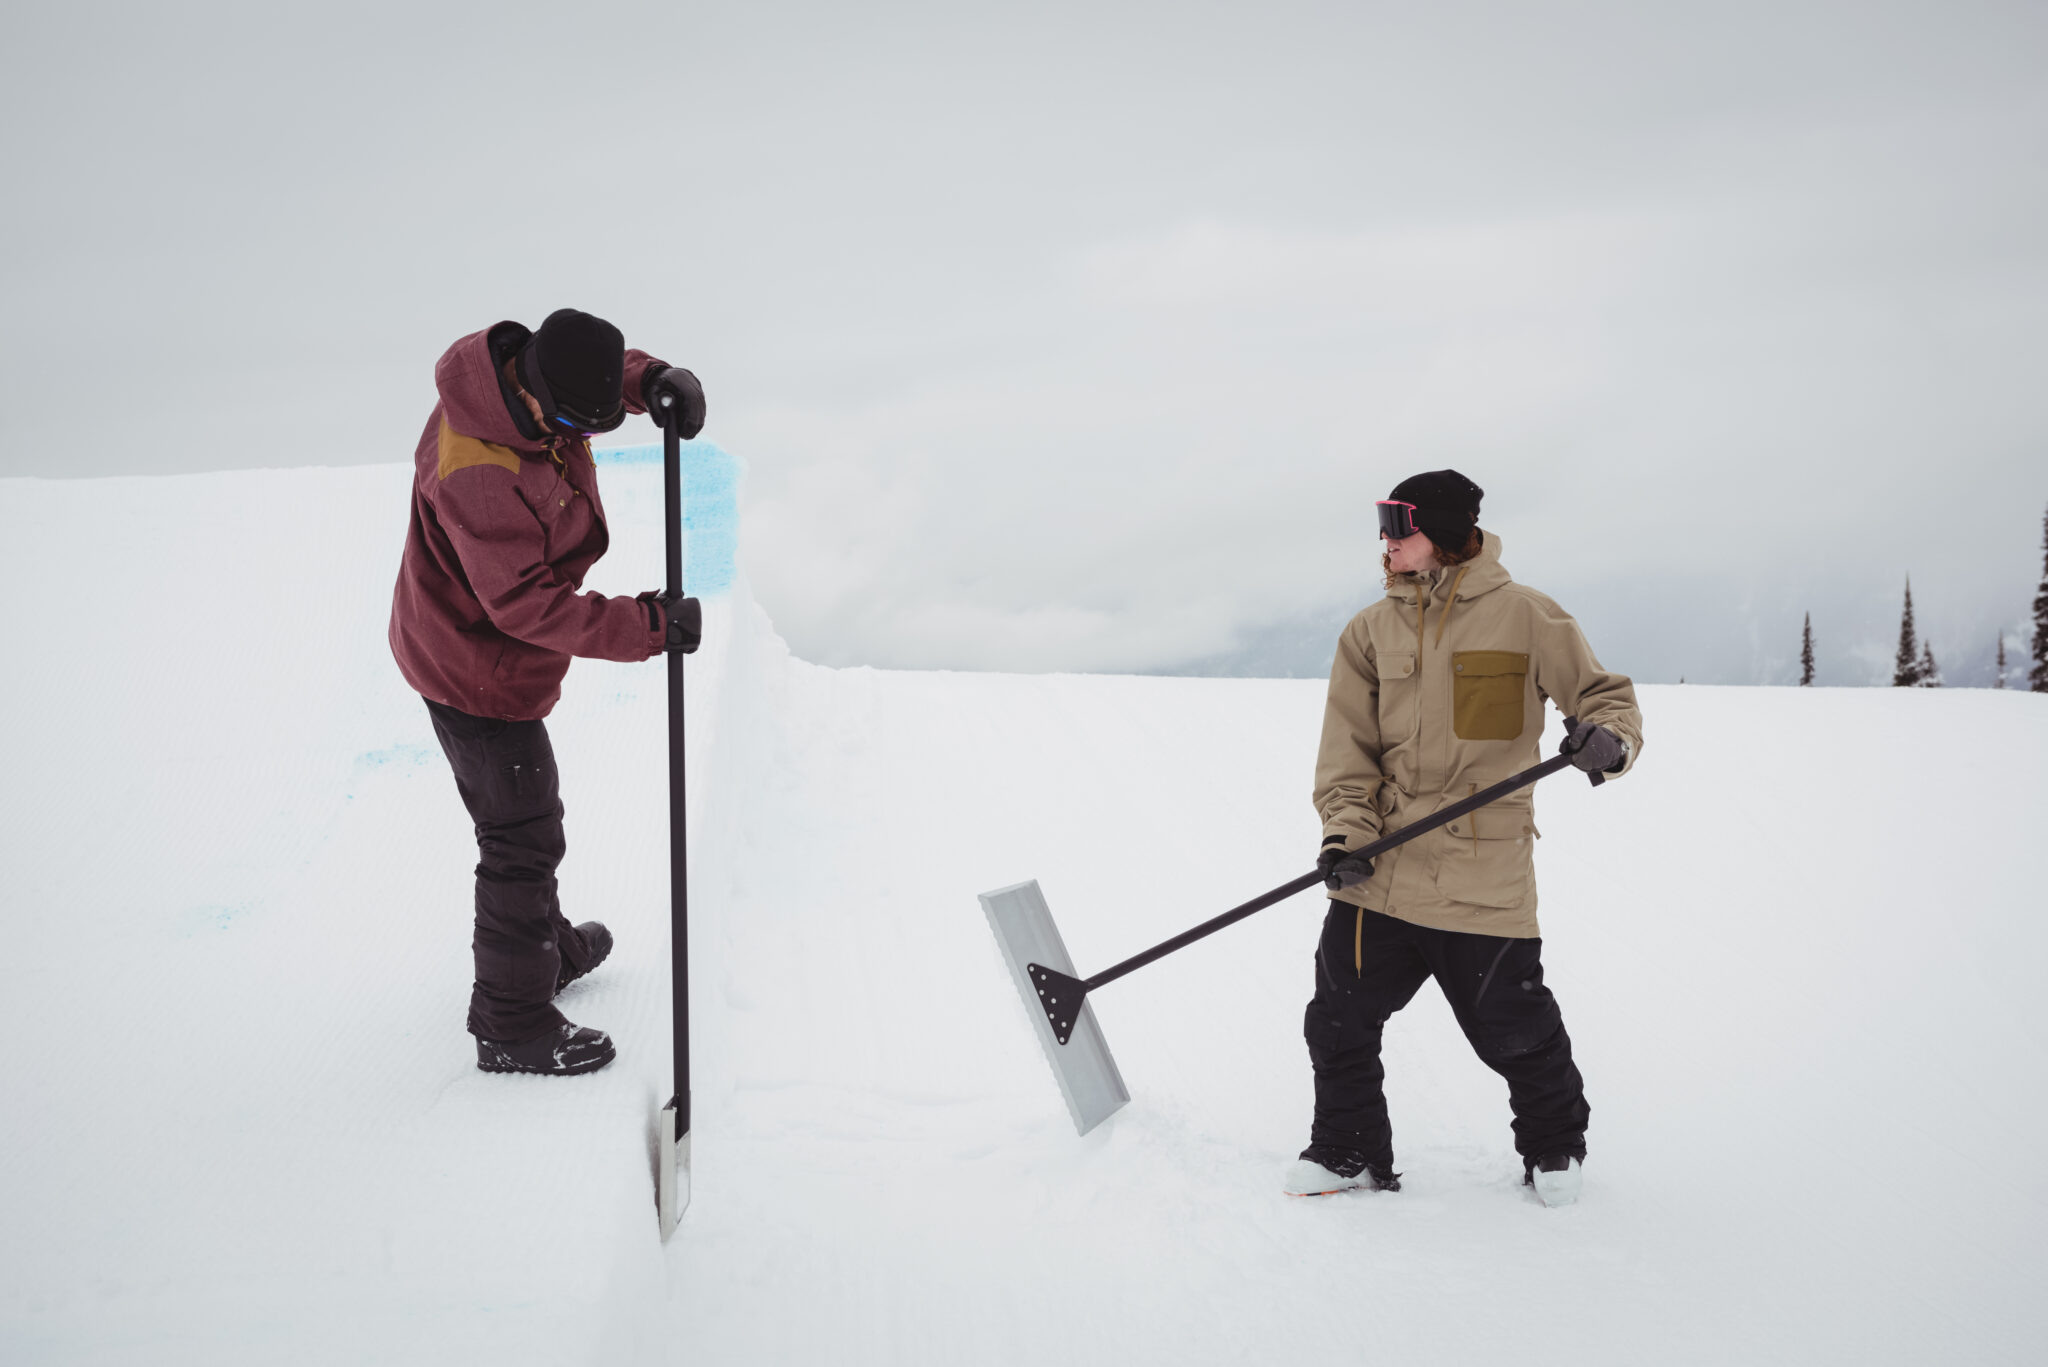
[{"x": 1445, "y": 619}]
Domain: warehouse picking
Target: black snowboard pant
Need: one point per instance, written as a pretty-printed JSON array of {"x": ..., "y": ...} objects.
[
  {"x": 505, "y": 771},
  {"x": 1369, "y": 967}
]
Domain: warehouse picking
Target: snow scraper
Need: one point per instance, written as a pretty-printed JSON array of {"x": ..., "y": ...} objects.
[
  {"x": 1057, "y": 1001},
  {"x": 672, "y": 1159}
]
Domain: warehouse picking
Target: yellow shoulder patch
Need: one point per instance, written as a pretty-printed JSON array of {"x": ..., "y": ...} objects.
[{"x": 459, "y": 453}]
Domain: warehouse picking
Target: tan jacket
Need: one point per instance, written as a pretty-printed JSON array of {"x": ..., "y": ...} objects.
[{"x": 1437, "y": 692}]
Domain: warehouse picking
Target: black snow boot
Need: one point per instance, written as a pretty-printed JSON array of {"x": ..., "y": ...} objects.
[
  {"x": 1323, "y": 1169},
  {"x": 598, "y": 941},
  {"x": 565, "y": 1049}
]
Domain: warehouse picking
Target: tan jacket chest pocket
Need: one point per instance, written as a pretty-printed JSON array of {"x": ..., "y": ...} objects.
[{"x": 1488, "y": 689}]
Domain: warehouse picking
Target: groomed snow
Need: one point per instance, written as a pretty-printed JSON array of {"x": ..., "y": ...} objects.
[{"x": 1799, "y": 952}]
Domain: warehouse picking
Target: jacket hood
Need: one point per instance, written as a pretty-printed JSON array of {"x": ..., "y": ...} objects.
[
  {"x": 474, "y": 398},
  {"x": 1483, "y": 573}
]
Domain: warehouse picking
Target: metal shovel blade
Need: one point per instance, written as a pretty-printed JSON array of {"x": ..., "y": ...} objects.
[
  {"x": 1082, "y": 1066},
  {"x": 671, "y": 1172}
]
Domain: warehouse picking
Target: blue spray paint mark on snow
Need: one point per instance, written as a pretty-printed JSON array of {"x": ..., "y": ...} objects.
[
  {"x": 711, "y": 510},
  {"x": 411, "y": 756},
  {"x": 403, "y": 760},
  {"x": 211, "y": 917}
]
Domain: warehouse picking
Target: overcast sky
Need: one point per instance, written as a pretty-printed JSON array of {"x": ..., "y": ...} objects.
[{"x": 1083, "y": 337}]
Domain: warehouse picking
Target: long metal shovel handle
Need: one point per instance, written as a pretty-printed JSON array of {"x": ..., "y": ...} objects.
[
  {"x": 1060, "y": 996},
  {"x": 672, "y": 1192},
  {"x": 678, "y": 837}
]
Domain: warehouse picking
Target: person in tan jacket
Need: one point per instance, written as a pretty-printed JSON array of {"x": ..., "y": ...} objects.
[{"x": 1437, "y": 692}]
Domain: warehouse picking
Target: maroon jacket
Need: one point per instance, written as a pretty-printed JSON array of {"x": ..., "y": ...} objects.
[{"x": 505, "y": 524}]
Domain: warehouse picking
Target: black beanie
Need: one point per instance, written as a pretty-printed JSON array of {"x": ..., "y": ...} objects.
[
  {"x": 1446, "y": 506},
  {"x": 582, "y": 362}
]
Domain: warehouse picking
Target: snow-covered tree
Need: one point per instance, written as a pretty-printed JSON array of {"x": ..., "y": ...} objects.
[
  {"x": 2037, "y": 678},
  {"x": 1906, "y": 667},
  {"x": 1998, "y": 681},
  {"x": 1806, "y": 653},
  {"x": 1930, "y": 672}
]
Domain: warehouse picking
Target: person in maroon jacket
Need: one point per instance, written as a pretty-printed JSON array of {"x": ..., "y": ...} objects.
[{"x": 488, "y": 611}]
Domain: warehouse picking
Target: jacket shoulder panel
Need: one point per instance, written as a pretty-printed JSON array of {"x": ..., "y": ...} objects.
[
  {"x": 1359, "y": 627},
  {"x": 1388, "y": 609},
  {"x": 1535, "y": 597},
  {"x": 1388, "y": 624},
  {"x": 458, "y": 452}
]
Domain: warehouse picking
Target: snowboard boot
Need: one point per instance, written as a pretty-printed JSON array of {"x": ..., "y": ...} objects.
[
  {"x": 1555, "y": 1177},
  {"x": 1323, "y": 1170},
  {"x": 600, "y": 941},
  {"x": 565, "y": 1049}
]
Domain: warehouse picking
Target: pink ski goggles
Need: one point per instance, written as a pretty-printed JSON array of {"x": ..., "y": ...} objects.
[{"x": 1397, "y": 519}]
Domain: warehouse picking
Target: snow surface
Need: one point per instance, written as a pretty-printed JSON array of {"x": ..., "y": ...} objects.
[{"x": 1799, "y": 951}]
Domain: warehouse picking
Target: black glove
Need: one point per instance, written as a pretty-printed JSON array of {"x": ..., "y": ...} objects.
[
  {"x": 1593, "y": 748},
  {"x": 1342, "y": 868},
  {"x": 681, "y": 391},
  {"x": 685, "y": 618}
]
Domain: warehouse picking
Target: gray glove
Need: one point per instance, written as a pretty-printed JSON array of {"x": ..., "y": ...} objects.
[
  {"x": 680, "y": 619},
  {"x": 1342, "y": 868},
  {"x": 1593, "y": 748},
  {"x": 666, "y": 387}
]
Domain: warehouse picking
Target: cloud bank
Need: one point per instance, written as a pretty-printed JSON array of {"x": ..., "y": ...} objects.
[{"x": 1083, "y": 338}]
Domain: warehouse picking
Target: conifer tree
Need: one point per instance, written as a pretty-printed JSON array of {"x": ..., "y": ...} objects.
[
  {"x": 1930, "y": 672},
  {"x": 1999, "y": 681},
  {"x": 1906, "y": 667},
  {"x": 1806, "y": 653},
  {"x": 2037, "y": 678}
]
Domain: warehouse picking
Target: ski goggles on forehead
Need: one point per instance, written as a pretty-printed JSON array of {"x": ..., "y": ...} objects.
[{"x": 1397, "y": 519}]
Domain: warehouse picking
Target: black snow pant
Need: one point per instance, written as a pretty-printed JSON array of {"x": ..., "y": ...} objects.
[
  {"x": 505, "y": 771},
  {"x": 1369, "y": 966}
]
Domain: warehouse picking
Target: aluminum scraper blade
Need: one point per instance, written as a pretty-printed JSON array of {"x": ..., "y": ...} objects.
[{"x": 1082, "y": 1066}]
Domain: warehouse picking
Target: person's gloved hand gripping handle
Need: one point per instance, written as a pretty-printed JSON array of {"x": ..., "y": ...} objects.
[
  {"x": 678, "y": 617},
  {"x": 671, "y": 386},
  {"x": 1594, "y": 748},
  {"x": 1342, "y": 868}
]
